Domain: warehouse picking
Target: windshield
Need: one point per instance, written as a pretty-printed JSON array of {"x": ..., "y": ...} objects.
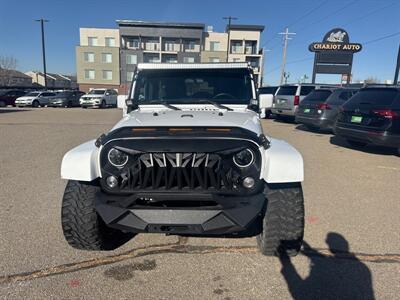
[
  {"x": 33, "y": 94},
  {"x": 96, "y": 92},
  {"x": 318, "y": 96},
  {"x": 223, "y": 86}
]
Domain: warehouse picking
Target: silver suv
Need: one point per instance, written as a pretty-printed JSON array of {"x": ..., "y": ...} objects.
[{"x": 288, "y": 98}]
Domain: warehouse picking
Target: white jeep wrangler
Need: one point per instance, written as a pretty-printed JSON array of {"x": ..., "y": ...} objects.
[{"x": 188, "y": 158}]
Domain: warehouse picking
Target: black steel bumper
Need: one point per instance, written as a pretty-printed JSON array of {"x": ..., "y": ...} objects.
[
  {"x": 380, "y": 138},
  {"x": 228, "y": 214}
]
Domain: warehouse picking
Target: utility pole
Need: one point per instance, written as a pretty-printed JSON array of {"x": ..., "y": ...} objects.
[
  {"x": 286, "y": 37},
  {"x": 396, "y": 73},
  {"x": 230, "y": 18},
  {"x": 43, "y": 50}
]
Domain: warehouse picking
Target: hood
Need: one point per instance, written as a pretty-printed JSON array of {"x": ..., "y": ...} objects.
[
  {"x": 244, "y": 118},
  {"x": 27, "y": 98}
]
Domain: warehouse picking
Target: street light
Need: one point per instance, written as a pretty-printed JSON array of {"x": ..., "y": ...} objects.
[{"x": 43, "y": 50}]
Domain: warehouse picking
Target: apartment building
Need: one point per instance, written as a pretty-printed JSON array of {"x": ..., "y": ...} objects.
[
  {"x": 244, "y": 46},
  {"x": 215, "y": 46},
  {"x": 108, "y": 57},
  {"x": 97, "y": 59},
  {"x": 157, "y": 42}
]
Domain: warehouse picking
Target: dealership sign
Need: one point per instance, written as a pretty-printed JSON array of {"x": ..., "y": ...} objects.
[
  {"x": 334, "y": 55},
  {"x": 336, "y": 40}
]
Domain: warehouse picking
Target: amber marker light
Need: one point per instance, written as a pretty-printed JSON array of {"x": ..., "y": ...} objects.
[
  {"x": 219, "y": 129},
  {"x": 180, "y": 129},
  {"x": 143, "y": 129}
]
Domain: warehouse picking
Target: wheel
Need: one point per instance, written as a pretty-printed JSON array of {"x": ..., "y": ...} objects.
[
  {"x": 84, "y": 107},
  {"x": 356, "y": 143},
  {"x": 69, "y": 104},
  {"x": 103, "y": 104},
  {"x": 82, "y": 226},
  {"x": 283, "y": 222},
  {"x": 35, "y": 104},
  {"x": 2, "y": 104}
]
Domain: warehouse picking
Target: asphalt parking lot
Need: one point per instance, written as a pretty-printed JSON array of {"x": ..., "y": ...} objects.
[{"x": 352, "y": 226}]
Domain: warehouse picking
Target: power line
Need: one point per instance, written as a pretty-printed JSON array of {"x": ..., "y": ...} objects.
[
  {"x": 381, "y": 38},
  {"x": 329, "y": 15},
  {"x": 308, "y": 13},
  {"x": 370, "y": 13}
]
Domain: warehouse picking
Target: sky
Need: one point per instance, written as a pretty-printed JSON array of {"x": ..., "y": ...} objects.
[{"x": 365, "y": 20}]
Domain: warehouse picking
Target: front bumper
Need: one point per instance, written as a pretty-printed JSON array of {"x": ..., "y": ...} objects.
[
  {"x": 380, "y": 138},
  {"x": 19, "y": 104},
  {"x": 229, "y": 215},
  {"x": 58, "y": 104},
  {"x": 90, "y": 104}
]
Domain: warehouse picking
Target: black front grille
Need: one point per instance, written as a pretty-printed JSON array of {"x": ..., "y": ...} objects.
[{"x": 179, "y": 171}]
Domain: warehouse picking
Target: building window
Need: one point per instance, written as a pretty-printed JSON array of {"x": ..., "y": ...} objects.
[
  {"x": 131, "y": 59},
  {"x": 214, "y": 59},
  {"x": 92, "y": 41},
  {"x": 107, "y": 74},
  {"x": 132, "y": 43},
  {"x": 89, "y": 74},
  {"x": 106, "y": 58},
  {"x": 214, "y": 46},
  {"x": 129, "y": 76},
  {"x": 110, "y": 42},
  {"x": 236, "y": 47},
  {"x": 88, "y": 56},
  {"x": 190, "y": 45},
  {"x": 188, "y": 60},
  {"x": 169, "y": 45}
]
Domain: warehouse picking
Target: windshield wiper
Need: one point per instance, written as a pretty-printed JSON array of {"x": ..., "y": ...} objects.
[
  {"x": 216, "y": 104},
  {"x": 167, "y": 105}
]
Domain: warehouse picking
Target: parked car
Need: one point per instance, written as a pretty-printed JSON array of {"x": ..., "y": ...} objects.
[
  {"x": 372, "y": 116},
  {"x": 35, "y": 99},
  {"x": 66, "y": 99},
  {"x": 266, "y": 99},
  {"x": 320, "y": 108},
  {"x": 8, "y": 97},
  {"x": 101, "y": 98},
  {"x": 186, "y": 159},
  {"x": 288, "y": 98}
]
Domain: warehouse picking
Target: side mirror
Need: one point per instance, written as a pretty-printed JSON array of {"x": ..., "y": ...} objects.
[
  {"x": 107, "y": 94},
  {"x": 254, "y": 105}
]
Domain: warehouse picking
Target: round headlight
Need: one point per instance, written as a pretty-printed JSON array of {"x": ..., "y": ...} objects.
[
  {"x": 117, "y": 158},
  {"x": 243, "y": 158}
]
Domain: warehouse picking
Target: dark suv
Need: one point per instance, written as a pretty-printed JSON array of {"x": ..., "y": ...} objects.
[
  {"x": 320, "y": 108},
  {"x": 7, "y": 97},
  {"x": 372, "y": 116},
  {"x": 66, "y": 99}
]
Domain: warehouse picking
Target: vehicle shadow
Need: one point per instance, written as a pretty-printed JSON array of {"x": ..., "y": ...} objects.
[
  {"x": 284, "y": 120},
  {"x": 338, "y": 141},
  {"x": 11, "y": 110},
  {"x": 330, "y": 277},
  {"x": 302, "y": 127}
]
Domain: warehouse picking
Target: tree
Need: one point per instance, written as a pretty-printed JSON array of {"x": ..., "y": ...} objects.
[{"x": 7, "y": 65}]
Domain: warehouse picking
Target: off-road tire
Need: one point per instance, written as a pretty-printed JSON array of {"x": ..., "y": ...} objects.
[
  {"x": 356, "y": 144},
  {"x": 35, "y": 104},
  {"x": 82, "y": 226},
  {"x": 283, "y": 222}
]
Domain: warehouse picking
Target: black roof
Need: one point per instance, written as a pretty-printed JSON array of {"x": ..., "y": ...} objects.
[
  {"x": 245, "y": 27},
  {"x": 137, "y": 23}
]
